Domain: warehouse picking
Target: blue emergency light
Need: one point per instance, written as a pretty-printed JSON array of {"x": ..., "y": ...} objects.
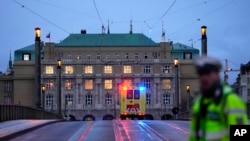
[{"x": 141, "y": 88}]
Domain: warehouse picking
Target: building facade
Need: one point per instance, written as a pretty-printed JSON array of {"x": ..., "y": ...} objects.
[
  {"x": 242, "y": 84},
  {"x": 94, "y": 66},
  {"x": 6, "y": 85}
]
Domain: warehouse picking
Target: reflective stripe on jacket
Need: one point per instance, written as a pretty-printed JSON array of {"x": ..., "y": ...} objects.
[{"x": 215, "y": 125}]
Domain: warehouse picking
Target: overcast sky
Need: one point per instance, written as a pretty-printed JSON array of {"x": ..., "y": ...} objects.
[{"x": 227, "y": 21}]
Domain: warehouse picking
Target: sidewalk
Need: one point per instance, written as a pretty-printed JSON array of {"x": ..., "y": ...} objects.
[{"x": 14, "y": 127}]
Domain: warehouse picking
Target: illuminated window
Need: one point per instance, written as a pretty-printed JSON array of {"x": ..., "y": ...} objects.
[
  {"x": 88, "y": 99},
  {"x": 98, "y": 56},
  {"x": 68, "y": 84},
  {"x": 187, "y": 55},
  {"x": 107, "y": 69},
  {"x": 148, "y": 99},
  {"x": 7, "y": 86},
  {"x": 117, "y": 56},
  {"x": 166, "y": 84},
  {"x": 26, "y": 57},
  {"x": 49, "y": 70},
  {"x": 108, "y": 99},
  {"x": 89, "y": 84},
  {"x": 166, "y": 69},
  {"x": 146, "y": 83},
  {"x": 147, "y": 69},
  {"x": 108, "y": 84},
  {"x": 126, "y": 56},
  {"x": 136, "y": 56},
  {"x": 166, "y": 99},
  {"x": 127, "y": 69},
  {"x": 88, "y": 69},
  {"x": 68, "y": 69},
  {"x": 49, "y": 84},
  {"x": 79, "y": 57}
]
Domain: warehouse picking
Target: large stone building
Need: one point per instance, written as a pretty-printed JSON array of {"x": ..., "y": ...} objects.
[
  {"x": 6, "y": 85},
  {"x": 242, "y": 84},
  {"x": 95, "y": 65}
]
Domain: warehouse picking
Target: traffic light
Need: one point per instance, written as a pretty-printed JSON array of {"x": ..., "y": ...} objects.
[{"x": 175, "y": 110}]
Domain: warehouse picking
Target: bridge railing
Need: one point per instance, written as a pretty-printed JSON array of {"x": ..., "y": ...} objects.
[
  {"x": 15, "y": 112},
  {"x": 184, "y": 115}
]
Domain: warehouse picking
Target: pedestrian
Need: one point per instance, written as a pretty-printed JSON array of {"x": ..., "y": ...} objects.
[{"x": 217, "y": 107}]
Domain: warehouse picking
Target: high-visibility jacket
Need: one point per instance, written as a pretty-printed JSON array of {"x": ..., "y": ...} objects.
[{"x": 214, "y": 126}]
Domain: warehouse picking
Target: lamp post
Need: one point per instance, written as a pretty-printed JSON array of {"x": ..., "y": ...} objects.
[
  {"x": 38, "y": 67},
  {"x": 176, "y": 65},
  {"x": 204, "y": 41},
  {"x": 43, "y": 95},
  {"x": 59, "y": 100},
  {"x": 188, "y": 97}
]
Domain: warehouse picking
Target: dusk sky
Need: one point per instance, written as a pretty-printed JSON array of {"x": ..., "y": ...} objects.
[{"x": 227, "y": 21}]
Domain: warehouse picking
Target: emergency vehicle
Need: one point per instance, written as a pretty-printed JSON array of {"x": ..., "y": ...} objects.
[{"x": 133, "y": 102}]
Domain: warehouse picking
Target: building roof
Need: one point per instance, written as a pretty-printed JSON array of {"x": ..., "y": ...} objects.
[
  {"x": 106, "y": 40},
  {"x": 182, "y": 47},
  {"x": 29, "y": 48}
]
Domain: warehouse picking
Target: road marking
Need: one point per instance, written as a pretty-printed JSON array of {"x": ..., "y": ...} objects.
[
  {"x": 175, "y": 126},
  {"x": 152, "y": 131},
  {"x": 83, "y": 136},
  {"x": 82, "y": 132},
  {"x": 117, "y": 131}
]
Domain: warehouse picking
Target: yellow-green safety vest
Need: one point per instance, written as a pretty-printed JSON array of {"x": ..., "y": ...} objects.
[{"x": 215, "y": 125}]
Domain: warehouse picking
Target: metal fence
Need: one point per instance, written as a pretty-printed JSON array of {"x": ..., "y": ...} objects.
[
  {"x": 15, "y": 112},
  {"x": 184, "y": 115}
]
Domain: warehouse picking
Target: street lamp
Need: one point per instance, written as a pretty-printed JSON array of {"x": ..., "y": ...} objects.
[
  {"x": 38, "y": 67},
  {"x": 43, "y": 95},
  {"x": 59, "y": 64},
  {"x": 188, "y": 97},
  {"x": 176, "y": 62},
  {"x": 176, "y": 65},
  {"x": 204, "y": 40},
  {"x": 37, "y": 33},
  {"x": 59, "y": 102}
]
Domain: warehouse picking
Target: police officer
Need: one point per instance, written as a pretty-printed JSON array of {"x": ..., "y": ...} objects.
[{"x": 217, "y": 107}]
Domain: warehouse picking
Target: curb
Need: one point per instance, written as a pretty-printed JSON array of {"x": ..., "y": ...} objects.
[{"x": 18, "y": 133}]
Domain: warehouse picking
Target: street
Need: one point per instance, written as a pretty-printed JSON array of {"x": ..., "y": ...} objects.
[{"x": 119, "y": 130}]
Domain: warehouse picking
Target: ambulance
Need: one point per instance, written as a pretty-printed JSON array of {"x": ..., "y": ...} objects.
[{"x": 133, "y": 102}]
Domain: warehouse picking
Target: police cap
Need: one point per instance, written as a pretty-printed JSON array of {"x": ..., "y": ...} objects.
[{"x": 206, "y": 65}]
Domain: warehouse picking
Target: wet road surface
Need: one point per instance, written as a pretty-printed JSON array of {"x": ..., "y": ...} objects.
[{"x": 116, "y": 130}]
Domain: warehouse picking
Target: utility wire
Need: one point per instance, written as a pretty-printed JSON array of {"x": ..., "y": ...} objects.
[
  {"x": 164, "y": 14},
  {"x": 203, "y": 17},
  {"x": 188, "y": 7},
  {"x": 40, "y": 16},
  {"x": 68, "y": 9},
  {"x": 98, "y": 12}
]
